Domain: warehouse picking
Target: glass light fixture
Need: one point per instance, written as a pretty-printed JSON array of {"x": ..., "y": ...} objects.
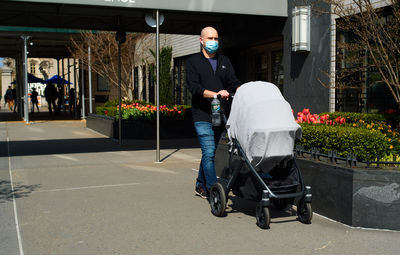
[{"x": 301, "y": 16}]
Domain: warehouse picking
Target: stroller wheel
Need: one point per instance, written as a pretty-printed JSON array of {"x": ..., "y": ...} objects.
[
  {"x": 217, "y": 199},
  {"x": 263, "y": 216},
  {"x": 304, "y": 212}
]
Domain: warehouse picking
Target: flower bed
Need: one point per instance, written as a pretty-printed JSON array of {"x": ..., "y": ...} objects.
[
  {"x": 139, "y": 120},
  {"x": 138, "y": 111},
  {"x": 365, "y": 135}
]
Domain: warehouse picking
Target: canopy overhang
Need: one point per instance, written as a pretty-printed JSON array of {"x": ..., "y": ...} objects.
[
  {"x": 50, "y": 23},
  {"x": 252, "y": 7}
]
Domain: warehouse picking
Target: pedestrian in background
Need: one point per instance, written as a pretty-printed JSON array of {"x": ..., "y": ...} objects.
[
  {"x": 8, "y": 98},
  {"x": 34, "y": 100}
]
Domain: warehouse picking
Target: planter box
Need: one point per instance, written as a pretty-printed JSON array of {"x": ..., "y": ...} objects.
[
  {"x": 358, "y": 197},
  {"x": 100, "y": 123},
  {"x": 140, "y": 130}
]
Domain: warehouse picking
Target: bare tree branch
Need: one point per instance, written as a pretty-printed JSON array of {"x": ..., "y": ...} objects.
[{"x": 104, "y": 56}]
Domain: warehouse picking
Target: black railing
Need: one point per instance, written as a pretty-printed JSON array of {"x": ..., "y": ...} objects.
[{"x": 332, "y": 157}]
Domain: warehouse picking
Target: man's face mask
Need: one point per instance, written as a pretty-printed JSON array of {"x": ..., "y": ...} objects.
[{"x": 211, "y": 46}]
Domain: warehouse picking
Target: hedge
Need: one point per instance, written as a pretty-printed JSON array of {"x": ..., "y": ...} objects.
[
  {"x": 107, "y": 110},
  {"x": 352, "y": 117},
  {"x": 345, "y": 140}
]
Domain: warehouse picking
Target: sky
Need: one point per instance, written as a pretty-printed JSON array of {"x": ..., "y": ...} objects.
[{"x": 1, "y": 62}]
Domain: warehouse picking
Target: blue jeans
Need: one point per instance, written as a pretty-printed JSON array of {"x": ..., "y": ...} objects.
[{"x": 208, "y": 139}]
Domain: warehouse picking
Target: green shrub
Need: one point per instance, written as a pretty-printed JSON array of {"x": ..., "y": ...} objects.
[
  {"x": 107, "y": 110},
  {"x": 352, "y": 117},
  {"x": 115, "y": 102},
  {"x": 345, "y": 140}
]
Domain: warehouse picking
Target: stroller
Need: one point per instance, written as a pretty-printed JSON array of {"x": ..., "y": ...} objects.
[{"x": 254, "y": 157}]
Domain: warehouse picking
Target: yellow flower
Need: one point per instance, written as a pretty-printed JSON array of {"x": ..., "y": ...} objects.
[
  {"x": 391, "y": 147},
  {"x": 390, "y": 131},
  {"x": 389, "y": 126},
  {"x": 354, "y": 125},
  {"x": 389, "y": 139}
]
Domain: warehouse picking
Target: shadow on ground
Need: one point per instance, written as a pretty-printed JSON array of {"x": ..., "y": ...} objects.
[
  {"x": 240, "y": 205},
  {"x": 88, "y": 145},
  {"x": 41, "y": 116},
  {"x": 7, "y": 194}
]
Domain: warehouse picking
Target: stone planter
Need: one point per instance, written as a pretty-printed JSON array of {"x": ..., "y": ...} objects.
[
  {"x": 140, "y": 130},
  {"x": 358, "y": 197},
  {"x": 100, "y": 123}
]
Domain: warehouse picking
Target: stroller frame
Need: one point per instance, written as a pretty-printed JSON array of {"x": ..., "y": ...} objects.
[{"x": 219, "y": 192}]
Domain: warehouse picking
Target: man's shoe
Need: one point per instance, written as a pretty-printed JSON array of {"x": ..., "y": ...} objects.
[{"x": 201, "y": 192}]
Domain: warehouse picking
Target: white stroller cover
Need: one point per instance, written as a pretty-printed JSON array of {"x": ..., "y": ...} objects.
[{"x": 263, "y": 123}]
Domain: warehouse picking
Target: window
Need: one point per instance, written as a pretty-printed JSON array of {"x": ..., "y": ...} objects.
[
  {"x": 277, "y": 69},
  {"x": 102, "y": 83},
  {"x": 136, "y": 83},
  {"x": 151, "y": 83},
  {"x": 144, "y": 88},
  {"x": 359, "y": 84},
  {"x": 33, "y": 68},
  {"x": 181, "y": 94}
]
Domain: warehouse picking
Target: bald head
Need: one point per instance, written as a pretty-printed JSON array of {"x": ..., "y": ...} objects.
[{"x": 207, "y": 31}]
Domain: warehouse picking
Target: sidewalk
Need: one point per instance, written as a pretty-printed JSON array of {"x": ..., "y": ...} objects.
[
  {"x": 43, "y": 115},
  {"x": 78, "y": 192}
]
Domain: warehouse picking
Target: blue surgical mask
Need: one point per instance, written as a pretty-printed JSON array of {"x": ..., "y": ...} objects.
[{"x": 211, "y": 46}]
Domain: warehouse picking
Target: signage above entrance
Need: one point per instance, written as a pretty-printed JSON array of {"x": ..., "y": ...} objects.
[{"x": 254, "y": 7}]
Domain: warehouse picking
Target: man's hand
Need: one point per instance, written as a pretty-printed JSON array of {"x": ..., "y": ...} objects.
[{"x": 224, "y": 94}]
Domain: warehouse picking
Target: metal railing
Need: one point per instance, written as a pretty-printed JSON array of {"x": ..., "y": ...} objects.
[{"x": 332, "y": 157}]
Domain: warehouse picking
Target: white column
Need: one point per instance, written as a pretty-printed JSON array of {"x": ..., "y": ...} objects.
[
  {"x": 25, "y": 77},
  {"x": 90, "y": 79},
  {"x": 332, "y": 73},
  {"x": 140, "y": 83}
]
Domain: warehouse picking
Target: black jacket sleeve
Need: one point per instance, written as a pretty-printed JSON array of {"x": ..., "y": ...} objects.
[{"x": 193, "y": 80}]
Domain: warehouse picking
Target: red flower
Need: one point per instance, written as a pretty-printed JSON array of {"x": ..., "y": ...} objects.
[{"x": 306, "y": 111}]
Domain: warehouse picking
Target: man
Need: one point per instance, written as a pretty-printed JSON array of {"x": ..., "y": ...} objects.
[
  {"x": 16, "y": 100},
  {"x": 50, "y": 93},
  {"x": 208, "y": 74},
  {"x": 34, "y": 100},
  {"x": 9, "y": 98}
]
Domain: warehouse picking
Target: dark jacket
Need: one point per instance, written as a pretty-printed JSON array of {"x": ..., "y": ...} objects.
[{"x": 200, "y": 76}]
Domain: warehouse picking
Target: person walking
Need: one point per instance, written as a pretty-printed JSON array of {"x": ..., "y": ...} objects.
[
  {"x": 208, "y": 74},
  {"x": 8, "y": 98},
  {"x": 16, "y": 100},
  {"x": 71, "y": 100},
  {"x": 50, "y": 93},
  {"x": 34, "y": 100}
]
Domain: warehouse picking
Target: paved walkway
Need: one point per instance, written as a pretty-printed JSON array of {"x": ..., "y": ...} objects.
[{"x": 72, "y": 191}]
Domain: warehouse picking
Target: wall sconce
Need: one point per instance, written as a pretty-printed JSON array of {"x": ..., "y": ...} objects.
[{"x": 301, "y": 16}]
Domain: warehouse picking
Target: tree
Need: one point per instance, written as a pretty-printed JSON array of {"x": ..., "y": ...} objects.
[
  {"x": 374, "y": 46},
  {"x": 104, "y": 56},
  {"x": 166, "y": 96}
]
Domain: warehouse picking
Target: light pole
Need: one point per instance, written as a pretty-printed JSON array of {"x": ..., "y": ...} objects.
[
  {"x": 156, "y": 22},
  {"x": 120, "y": 37},
  {"x": 25, "y": 77}
]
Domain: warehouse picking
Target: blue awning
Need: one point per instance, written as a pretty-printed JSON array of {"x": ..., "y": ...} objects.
[
  {"x": 57, "y": 80},
  {"x": 32, "y": 79}
]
